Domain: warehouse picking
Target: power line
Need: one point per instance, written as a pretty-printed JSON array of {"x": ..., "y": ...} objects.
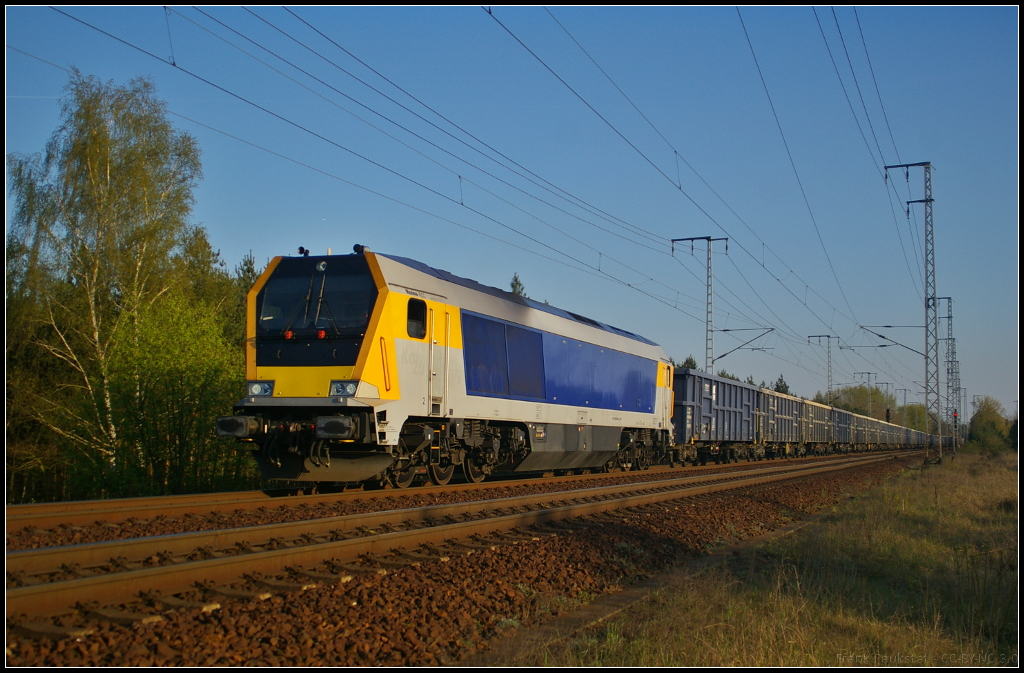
[
  {"x": 599, "y": 115},
  {"x": 560, "y": 79},
  {"x": 875, "y": 80},
  {"x": 565, "y": 194},
  {"x": 793, "y": 164},
  {"x": 452, "y": 172},
  {"x": 603, "y": 255},
  {"x": 600, "y": 272},
  {"x": 402, "y": 127},
  {"x": 856, "y": 84},
  {"x": 846, "y": 95},
  {"x": 849, "y": 104},
  {"x": 694, "y": 171}
]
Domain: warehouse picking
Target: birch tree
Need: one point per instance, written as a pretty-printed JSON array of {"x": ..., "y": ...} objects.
[{"x": 97, "y": 218}]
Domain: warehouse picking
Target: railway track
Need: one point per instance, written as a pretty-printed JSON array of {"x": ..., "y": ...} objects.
[
  {"x": 44, "y": 516},
  {"x": 434, "y": 613},
  {"x": 50, "y": 581}
]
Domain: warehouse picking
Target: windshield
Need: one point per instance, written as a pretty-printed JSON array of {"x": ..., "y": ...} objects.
[{"x": 335, "y": 294}]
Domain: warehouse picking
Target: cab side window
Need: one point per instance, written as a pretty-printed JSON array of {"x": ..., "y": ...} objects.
[{"x": 417, "y": 320}]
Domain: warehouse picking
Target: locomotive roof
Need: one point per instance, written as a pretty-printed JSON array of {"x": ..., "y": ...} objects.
[{"x": 508, "y": 296}]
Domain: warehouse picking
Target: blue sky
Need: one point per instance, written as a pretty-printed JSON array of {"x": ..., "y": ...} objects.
[{"x": 461, "y": 148}]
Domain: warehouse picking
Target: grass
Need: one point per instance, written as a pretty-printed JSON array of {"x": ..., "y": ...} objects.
[{"x": 920, "y": 570}]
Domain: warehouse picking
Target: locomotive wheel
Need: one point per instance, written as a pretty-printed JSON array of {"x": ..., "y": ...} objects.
[
  {"x": 473, "y": 473},
  {"x": 440, "y": 475},
  {"x": 402, "y": 478}
]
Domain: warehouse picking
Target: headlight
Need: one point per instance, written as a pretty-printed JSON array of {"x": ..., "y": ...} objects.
[
  {"x": 343, "y": 388},
  {"x": 259, "y": 388}
]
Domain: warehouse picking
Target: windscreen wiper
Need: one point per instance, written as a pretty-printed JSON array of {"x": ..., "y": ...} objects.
[
  {"x": 320, "y": 303},
  {"x": 295, "y": 312}
]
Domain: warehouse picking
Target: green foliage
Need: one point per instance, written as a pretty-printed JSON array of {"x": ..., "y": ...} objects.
[
  {"x": 124, "y": 317},
  {"x": 781, "y": 386},
  {"x": 233, "y": 310},
  {"x": 689, "y": 363},
  {"x": 990, "y": 429},
  {"x": 517, "y": 286},
  {"x": 726, "y": 375},
  {"x": 169, "y": 384}
]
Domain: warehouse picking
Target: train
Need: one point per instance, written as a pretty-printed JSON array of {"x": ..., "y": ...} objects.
[{"x": 381, "y": 370}]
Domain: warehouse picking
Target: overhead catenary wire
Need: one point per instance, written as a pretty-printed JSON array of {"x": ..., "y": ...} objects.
[
  {"x": 856, "y": 84},
  {"x": 634, "y": 286},
  {"x": 366, "y": 65},
  {"x": 580, "y": 202},
  {"x": 468, "y": 198},
  {"x": 878, "y": 168},
  {"x": 852, "y": 319},
  {"x": 792, "y": 163},
  {"x": 388, "y": 119},
  {"x": 346, "y": 51},
  {"x": 875, "y": 80},
  {"x": 461, "y": 178}
]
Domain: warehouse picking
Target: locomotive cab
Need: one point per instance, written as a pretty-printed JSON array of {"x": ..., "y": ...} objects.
[{"x": 305, "y": 407}]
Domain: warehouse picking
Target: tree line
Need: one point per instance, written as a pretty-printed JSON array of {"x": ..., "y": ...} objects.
[{"x": 125, "y": 328}]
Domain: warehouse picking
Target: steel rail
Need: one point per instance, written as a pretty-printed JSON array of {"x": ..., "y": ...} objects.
[
  {"x": 85, "y": 556},
  {"x": 57, "y": 597},
  {"x": 88, "y": 512}
]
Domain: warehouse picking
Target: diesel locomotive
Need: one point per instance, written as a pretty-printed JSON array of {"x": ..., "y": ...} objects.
[
  {"x": 374, "y": 368},
  {"x": 378, "y": 369}
]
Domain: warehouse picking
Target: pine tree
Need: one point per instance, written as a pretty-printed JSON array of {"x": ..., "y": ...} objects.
[{"x": 518, "y": 289}]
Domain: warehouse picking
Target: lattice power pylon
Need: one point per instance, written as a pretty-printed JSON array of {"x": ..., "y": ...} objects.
[
  {"x": 932, "y": 401},
  {"x": 709, "y": 321},
  {"x": 953, "y": 405}
]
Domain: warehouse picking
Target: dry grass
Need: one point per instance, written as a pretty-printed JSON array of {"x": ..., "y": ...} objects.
[{"x": 921, "y": 570}]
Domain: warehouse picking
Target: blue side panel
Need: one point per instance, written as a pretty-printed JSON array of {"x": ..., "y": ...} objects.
[
  {"x": 841, "y": 425},
  {"x": 483, "y": 344},
  {"x": 584, "y": 375},
  {"x": 506, "y": 360},
  {"x": 525, "y": 363}
]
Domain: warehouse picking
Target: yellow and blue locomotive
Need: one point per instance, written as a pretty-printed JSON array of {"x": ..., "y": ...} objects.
[{"x": 373, "y": 368}]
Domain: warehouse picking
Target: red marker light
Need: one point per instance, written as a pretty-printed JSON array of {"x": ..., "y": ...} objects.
[
  {"x": 289, "y": 334},
  {"x": 320, "y": 334}
]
